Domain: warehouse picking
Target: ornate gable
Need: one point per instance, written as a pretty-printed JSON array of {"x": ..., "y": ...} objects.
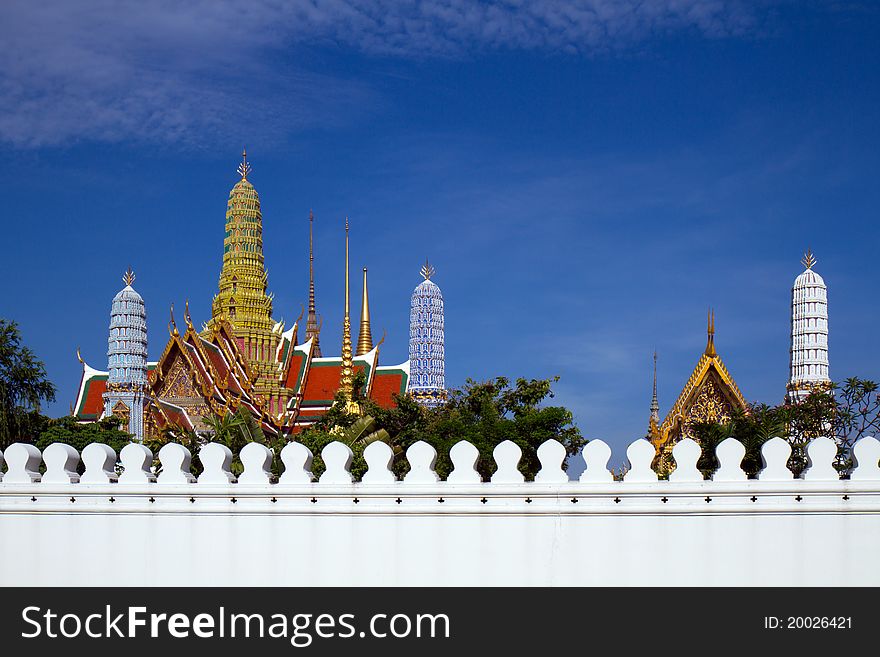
[
  {"x": 710, "y": 394},
  {"x": 182, "y": 381}
]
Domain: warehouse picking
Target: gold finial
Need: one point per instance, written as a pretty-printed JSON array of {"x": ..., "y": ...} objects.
[
  {"x": 79, "y": 358},
  {"x": 346, "y": 270},
  {"x": 172, "y": 325},
  {"x": 427, "y": 270},
  {"x": 808, "y": 260},
  {"x": 128, "y": 277},
  {"x": 186, "y": 316},
  {"x": 347, "y": 377},
  {"x": 244, "y": 168},
  {"x": 365, "y": 338},
  {"x": 710, "y": 344}
]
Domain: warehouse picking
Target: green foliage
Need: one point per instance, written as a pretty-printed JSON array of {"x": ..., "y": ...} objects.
[
  {"x": 79, "y": 434},
  {"x": 844, "y": 413},
  {"x": 752, "y": 428},
  {"x": 235, "y": 430},
  {"x": 491, "y": 412},
  {"x": 24, "y": 386},
  {"x": 484, "y": 413}
]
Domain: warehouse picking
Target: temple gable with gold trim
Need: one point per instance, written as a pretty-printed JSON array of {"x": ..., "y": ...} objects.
[{"x": 710, "y": 395}]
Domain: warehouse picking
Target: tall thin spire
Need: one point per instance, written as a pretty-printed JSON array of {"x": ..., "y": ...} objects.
[
  {"x": 346, "y": 380},
  {"x": 710, "y": 330},
  {"x": 312, "y": 330},
  {"x": 244, "y": 168},
  {"x": 655, "y": 406},
  {"x": 365, "y": 338}
]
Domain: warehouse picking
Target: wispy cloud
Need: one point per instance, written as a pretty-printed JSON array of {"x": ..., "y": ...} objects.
[{"x": 186, "y": 72}]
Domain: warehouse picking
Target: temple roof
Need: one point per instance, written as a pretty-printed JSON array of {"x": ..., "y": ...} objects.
[
  {"x": 89, "y": 403},
  {"x": 389, "y": 381},
  {"x": 710, "y": 379}
]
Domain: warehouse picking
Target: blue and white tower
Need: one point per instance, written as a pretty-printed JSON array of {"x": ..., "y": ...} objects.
[
  {"x": 127, "y": 359},
  {"x": 427, "y": 360}
]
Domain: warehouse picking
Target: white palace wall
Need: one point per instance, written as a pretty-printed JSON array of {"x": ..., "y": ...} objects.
[{"x": 105, "y": 529}]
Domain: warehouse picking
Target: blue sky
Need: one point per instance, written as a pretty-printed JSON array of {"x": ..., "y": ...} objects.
[{"x": 587, "y": 177}]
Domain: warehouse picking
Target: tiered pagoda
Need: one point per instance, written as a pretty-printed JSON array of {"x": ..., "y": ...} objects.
[
  {"x": 808, "y": 361},
  {"x": 242, "y": 358}
]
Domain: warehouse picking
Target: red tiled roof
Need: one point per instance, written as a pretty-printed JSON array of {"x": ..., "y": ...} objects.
[
  {"x": 92, "y": 404},
  {"x": 385, "y": 385},
  {"x": 322, "y": 382},
  {"x": 175, "y": 415},
  {"x": 294, "y": 366}
]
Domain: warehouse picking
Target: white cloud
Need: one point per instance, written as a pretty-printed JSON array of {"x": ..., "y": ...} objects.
[{"x": 186, "y": 72}]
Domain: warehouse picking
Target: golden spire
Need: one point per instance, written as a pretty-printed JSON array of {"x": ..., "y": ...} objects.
[
  {"x": 808, "y": 260},
  {"x": 346, "y": 380},
  {"x": 128, "y": 277},
  {"x": 365, "y": 339},
  {"x": 244, "y": 168},
  {"x": 346, "y": 269},
  {"x": 312, "y": 329},
  {"x": 710, "y": 344},
  {"x": 427, "y": 270}
]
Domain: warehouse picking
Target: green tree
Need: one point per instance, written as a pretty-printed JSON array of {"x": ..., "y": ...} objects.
[
  {"x": 79, "y": 434},
  {"x": 484, "y": 413},
  {"x": 24, "y": 387},
  {"x": 234, "y": 429},
  {"x": 753, "y": 427},
  {"x": 846, "y": 412}
]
